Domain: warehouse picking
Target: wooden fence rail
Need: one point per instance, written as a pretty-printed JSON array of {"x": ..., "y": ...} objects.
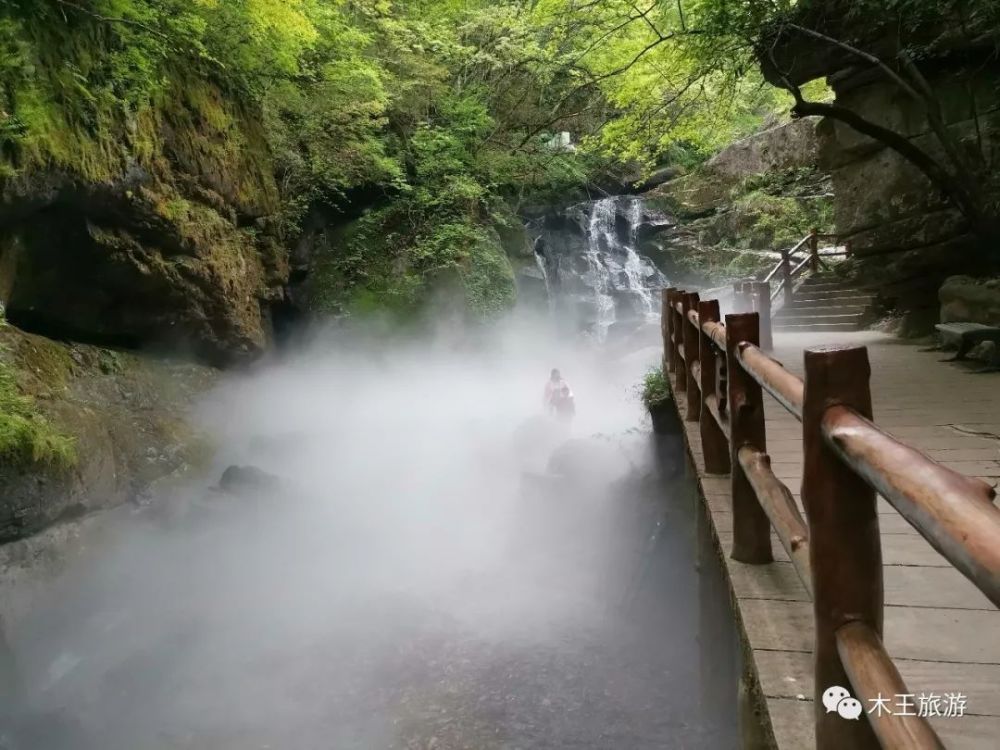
[
  {"x": 722, "y": 371},
  {"x": 791, "y": 266}
]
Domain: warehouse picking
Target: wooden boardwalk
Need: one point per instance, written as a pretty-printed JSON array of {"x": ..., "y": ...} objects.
[{"x": 941, "y": 632}]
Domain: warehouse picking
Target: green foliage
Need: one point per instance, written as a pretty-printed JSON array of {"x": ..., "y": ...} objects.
[
  {"x": 446, "y": 106},
  {"x": 778, "y": 209},
  {"x": 488, "y": 277},
  {"x": 26, "y": 437},
  {"x": 656, "y": 388}
]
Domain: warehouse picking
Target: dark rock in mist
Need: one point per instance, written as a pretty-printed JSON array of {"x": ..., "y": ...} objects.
[{"x": 248, "y": 480}]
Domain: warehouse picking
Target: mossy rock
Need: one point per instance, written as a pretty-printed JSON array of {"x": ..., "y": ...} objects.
[
  {"x": 83, "y": 428},
  {"x": 148, "y": 226}
]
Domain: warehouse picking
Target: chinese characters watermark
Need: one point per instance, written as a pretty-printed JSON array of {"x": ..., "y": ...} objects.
[{"x": 947, "y": 705}]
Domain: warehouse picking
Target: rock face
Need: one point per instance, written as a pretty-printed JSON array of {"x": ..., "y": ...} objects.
[
  {"x": 895, "y": 222},
  {"x": 906, "y": 236},
  {"x": 787, "y": 146},
  {"x": 728, "y": 218},
  {"x": 123, "y": 414},
  {"x": 164, "y": 243}
]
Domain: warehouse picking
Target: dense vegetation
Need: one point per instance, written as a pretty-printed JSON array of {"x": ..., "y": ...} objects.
[{"x": 444, "y": 108}]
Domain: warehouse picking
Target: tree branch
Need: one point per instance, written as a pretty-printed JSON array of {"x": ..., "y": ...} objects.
[
  {"x": 902, "y": 145},
  {"x": 923, "y": 95},
  {"x": 114, "y": 20},
  {"x": 866, "y": 56}
]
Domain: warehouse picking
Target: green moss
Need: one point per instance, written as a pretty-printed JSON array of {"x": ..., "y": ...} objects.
[
  {"x": 47, "y": 361},
  {"x": 26, "y": 437},
  {"x": 487, "y": 276},
  {"x": 381, "y": 264},
  {"x": 777, "y": 209},
  {"x": 111, "y": 362}
]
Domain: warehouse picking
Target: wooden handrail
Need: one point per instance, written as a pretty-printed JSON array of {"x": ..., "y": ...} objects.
[
  {"x": 786, "y": 388},
  {"x": 779, "y": 504},
  {"x": 836, "y": 547},
  {"x": 716, "y": 332},
  {"x": 801, "y": 243},
  {"x": 813, "y": 259},
  {"x": 873, "y": 676},
  {"x": 712, "y": 404},
  {"x": 953, "y": 512},
  {"x": 798, "y": 246},
  {"x": 797, "y": 269}
]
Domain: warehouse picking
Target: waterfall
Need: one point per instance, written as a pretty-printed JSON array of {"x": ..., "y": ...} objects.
[
  {"x": 542, "y": 263},
  {"x": 601, "y": 229},
  {"x": 614, "y": 265},
  {"x": 596, "y": 279},
  {"x": 636, "y": 268}
]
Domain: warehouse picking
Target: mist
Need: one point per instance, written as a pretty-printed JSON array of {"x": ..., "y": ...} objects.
[{"x": 420, "y": 558}]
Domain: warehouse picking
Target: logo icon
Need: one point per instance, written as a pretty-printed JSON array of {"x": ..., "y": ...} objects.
[
  {"x": 839, "y": 700},
  {"x": 849, "y": 708}
]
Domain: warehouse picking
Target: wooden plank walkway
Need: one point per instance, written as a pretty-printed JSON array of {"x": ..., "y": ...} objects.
[{"x": 942, "y": 633}]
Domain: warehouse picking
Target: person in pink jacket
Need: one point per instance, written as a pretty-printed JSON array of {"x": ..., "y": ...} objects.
[{"x": 558, "y": 397}]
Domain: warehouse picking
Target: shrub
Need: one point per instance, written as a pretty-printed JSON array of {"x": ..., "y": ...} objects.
[{"x": 656, "y": 388}]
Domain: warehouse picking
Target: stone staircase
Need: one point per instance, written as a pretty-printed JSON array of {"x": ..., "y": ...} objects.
[{"x": 822, "y": 302}]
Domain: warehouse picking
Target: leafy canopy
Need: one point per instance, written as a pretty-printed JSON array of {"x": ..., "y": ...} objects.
[{"x": 445, "y": 106}]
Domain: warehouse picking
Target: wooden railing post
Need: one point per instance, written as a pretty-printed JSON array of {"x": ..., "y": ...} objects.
[
  {"x": 713, "y": 440},
  {"x": 844, "y": 547},
  {"x": 666, "y": 329},
  {"x": 814, "y": 250},
  {"x": 786, "y": 276},
  {"x": 677, "y": 328},
  {"x": 762, "y": 304},
  {"x": 742, "y": 301},
  {"x": 751, "y": 527},
  {"x": 674, "y": 332},
  {"x": 691, "y": 340}
]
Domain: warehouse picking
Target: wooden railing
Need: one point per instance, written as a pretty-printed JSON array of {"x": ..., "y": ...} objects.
[
  {"x": 721, "y": 372},
  {"x": 796, "y": 260}
]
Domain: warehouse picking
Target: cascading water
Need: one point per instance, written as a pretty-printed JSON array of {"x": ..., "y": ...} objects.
[
  {"x": 595, "y": 277},
  {"x": 636, "y": 268},
  {"x": 601, "y": 234}
]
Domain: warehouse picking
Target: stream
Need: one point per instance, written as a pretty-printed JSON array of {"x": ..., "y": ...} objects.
[{"x": 419, "y": 559}]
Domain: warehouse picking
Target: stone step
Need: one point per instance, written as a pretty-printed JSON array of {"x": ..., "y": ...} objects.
[
  {"x": 823, "y": 285},
  {"x": 808, "y": 295},
  {"x": 809, "y": 304},
  {"x": 822, "y": 278},
  {"x": 835, "y": 317},
  {"x": 820, "y": 307},
  {"x": 789, "y": 327}
]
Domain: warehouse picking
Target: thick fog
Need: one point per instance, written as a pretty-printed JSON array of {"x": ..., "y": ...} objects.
[{"x": 415, "y": 555}]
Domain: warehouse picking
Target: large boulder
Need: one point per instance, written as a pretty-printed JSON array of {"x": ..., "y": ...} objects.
[
  {"x": 968, "y": 300},
  {"x": 783, "y": 148},
  {"x": 83, "y": 428}
]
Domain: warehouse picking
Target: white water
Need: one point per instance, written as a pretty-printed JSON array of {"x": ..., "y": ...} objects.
[
  {"x": 606, "y": 270},
  {"x": 602, "y": 227},
  {"x": 549, "y": 292}
]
